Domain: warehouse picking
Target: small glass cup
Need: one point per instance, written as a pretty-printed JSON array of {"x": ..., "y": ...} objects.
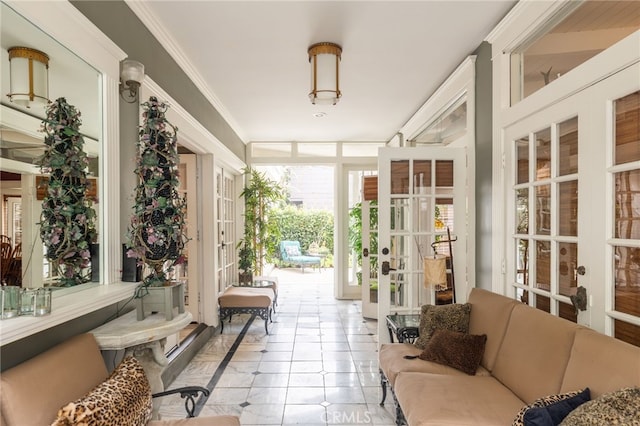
[
  {"x": 42, "y": 302},
  {"x": 10, "y": 298},
  {"x": 27, "y": 301}
]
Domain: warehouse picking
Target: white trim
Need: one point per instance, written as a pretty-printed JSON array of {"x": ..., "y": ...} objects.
[
  {"x": 454, "y": 87},
  {"x": 196, "y": 137},
  {"x": 144, "y": 13}
]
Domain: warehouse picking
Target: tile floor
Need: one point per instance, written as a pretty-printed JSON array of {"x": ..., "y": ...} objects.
[{"x": 317, "y": 366}]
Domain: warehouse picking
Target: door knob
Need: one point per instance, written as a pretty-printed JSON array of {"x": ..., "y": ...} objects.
[{"x": 580, "y": 270}]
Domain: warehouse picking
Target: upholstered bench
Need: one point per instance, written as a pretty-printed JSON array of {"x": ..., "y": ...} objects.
[{"x": 246, "y": 300}]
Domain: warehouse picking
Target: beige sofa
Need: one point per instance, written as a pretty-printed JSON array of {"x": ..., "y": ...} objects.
[
  {"x": 529, "y": 354},
  {"x": 32, "y": 393}
]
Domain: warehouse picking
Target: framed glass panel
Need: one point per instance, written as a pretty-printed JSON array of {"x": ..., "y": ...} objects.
[
  {"x": 627, "y": 332},
  {"x": 400, "y": 177},
  {"x": 522, "y": 258},
  {"x": 543, "y": 210},
  {"x": 567, "y": 264},
  {"x": 543, "y": 265},
  {"x": 399, "y": 212},
  {"x": 444, "y": 173},
  {"x": 543, "y": 303},
  {"x": 627, "y": 210},
  {"x": 627, "y": 128},
  {"x": 420, "y": 211},
  {"x": 522, "y": 160},
  {"x": 522, "y": 211},
  {"x": 627, "y": 277},
  {"x": 316, "y": 149},
  {"x": 568, "y": 147},
  {"x": 567, "y": 312},
  {"x": 421, "y": 176},
  {"x": 543, "y": 154},
  {"x": 568, "y": 208},
  {"x": 444, "y": 215}
]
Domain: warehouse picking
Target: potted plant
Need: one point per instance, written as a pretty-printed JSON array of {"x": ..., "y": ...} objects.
[
  {"x": 67, "y": 225},
  {"x": 157, "y": 233},
  {"x": 259, "y": 194}
]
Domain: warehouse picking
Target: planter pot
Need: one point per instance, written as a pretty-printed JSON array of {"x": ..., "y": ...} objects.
[
  {"x": 163, "y": 299},
  {"x": 245, "y": 277}
]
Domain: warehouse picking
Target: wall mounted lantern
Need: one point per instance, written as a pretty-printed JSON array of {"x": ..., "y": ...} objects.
[
  {"x": 325, "y": 72},
  {"x": 29, "y": 76},
  {"x": 131, "y": 77}
]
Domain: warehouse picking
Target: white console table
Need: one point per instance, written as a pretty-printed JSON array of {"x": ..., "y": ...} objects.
[{"x": 145, "y": 340}]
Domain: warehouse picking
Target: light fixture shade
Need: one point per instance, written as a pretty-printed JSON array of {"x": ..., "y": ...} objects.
[
  {"x": 29, "y": 76},
  {"x": 324, "y": 59},
  {"x": 131, "y": 77},
  {"x": 435, "y": 271},
  {"x": 132, "y": 71}
]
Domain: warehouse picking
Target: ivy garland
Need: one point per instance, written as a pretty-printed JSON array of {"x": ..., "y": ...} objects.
[
  {"x": 157, "y": 233},
  {"x": 67, "y": 222}
]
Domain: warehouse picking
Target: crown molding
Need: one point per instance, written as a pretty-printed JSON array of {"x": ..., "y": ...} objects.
[{"x": 148, "y": 18}]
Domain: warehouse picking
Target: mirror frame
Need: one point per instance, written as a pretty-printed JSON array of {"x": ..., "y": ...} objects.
[{"x": 82, "y": 37}]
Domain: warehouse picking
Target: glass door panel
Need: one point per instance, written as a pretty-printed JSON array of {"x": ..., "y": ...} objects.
[{"x": 424, "y": 189}]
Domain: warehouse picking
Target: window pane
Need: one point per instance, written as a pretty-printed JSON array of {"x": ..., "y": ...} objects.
[
  {"x": 626, "y": 332},
  {"x": 399, "y": 210},
  {"x": 316, "y": 149},
  {"x": 421, "y": 176},
  {"x": 543, "y": 265},
  {"x": 543, "y": 303},
  {"x": 271, "y": 150},
  {"x": 444, "y": 173},
  {"x": 444, "y": 215},
  {"x": 522, "y": 211},
  {"x": 361, "y": 149},
  {"x": 567, "y": 263},
  {"x": 574, "y": 35},
  {"x": 627, "y": 132},
  {"x": 522, "y": 274},
  {"x": 627, "y": 215},
  {"x": 568, "y": 208},
  {"x": 400, "y": 177},
  {"x": 522, "y": 155},
  {"x": 567, "y": 312},
  {"x": 568, "y": 147},
  {"x": 627, "y": 277},
  {"x": 543, "y": 210},
  {"x": 543, "y": 154}
]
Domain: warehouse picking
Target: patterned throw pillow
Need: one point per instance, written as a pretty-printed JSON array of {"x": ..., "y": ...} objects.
[
  {"x": 544, "y": 402},
  {"x": 453, "y": 317},
  {"x": 292, "y": 251},
  {"x": 123, "y": 399},
  {"x": 621, "y": 407},
  {"x": 458, "y": 350}
]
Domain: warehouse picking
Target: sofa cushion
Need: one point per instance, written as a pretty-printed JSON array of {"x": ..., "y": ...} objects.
[
  {"x": 124, "y": 399},
  {"x": 460, "y": 400},
  {"x": 392, "y": 361},
  {"x": 621, "y": 407},
  {"x": 19, "y": 385},
  {"x": 592, "y": 350},
  {"x": 490, "y": 314},
  {"x": 553, "y": 406},
  {"x": 454, "y": 317},
  {"x": 534, "y": 353},
  {"x": 458, "y": 350}
]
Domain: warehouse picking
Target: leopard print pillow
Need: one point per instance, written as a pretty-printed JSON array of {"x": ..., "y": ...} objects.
[
  {"x": 123, "y": 399},
  {"x": 621, "y": 407},
  {"x": 543, "y": 402}
]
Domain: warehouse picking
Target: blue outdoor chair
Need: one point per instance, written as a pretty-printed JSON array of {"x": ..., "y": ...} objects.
[{"x": 290, "y": 253}]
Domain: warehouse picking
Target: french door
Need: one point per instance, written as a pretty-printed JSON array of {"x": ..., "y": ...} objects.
[
  {"x": 369, "y": 259},
  {"x": 572, "y": 206},
  {"x": 226, "y": 270},
  {"x": 422, "y": 193}
]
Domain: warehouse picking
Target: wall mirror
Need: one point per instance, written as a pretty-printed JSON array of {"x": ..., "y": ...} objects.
[{"x": 22, "y": 142}]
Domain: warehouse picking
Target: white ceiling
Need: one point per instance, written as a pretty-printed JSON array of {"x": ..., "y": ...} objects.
[{"x": 250, "y": 58}]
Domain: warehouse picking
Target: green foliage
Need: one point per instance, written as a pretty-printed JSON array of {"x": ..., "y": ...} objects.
[
  {"x": 260, "y": 233},
  {"x": 67, "y": 223},
  {"x": 305, "y": 226},
  {"x": 355, "y": 232},
  {"x": 157, "y": 232}
]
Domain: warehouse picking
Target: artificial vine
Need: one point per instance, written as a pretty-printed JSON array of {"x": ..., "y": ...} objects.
[
  {"x": 67, "y": 223},
  {"x": 156, "y": 234}
]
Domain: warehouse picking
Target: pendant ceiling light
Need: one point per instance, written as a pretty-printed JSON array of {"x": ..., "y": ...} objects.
[
  {"x": 325, "y": 72},
  {"x": 29, "y": 76}
]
